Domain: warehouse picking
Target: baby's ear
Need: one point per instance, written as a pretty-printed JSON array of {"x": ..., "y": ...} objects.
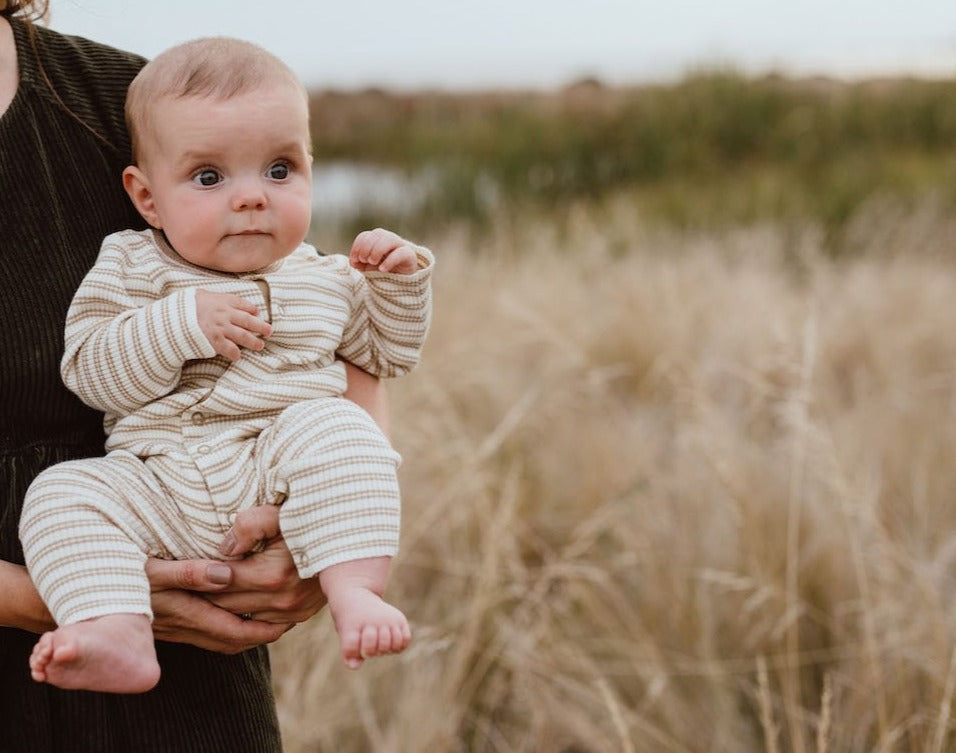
[{"x": 137, "y": 186}]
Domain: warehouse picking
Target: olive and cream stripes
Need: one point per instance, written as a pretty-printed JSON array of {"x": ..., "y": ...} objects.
[{"x": 193, "y": 438}]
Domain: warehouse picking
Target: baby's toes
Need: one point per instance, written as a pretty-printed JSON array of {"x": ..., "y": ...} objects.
[
  {"x": 352, "y": 649},
  {"x": 373, "y": 639},
  {"x": 43, "y": 649},
  {"x": 401, "y": 637},
  {"x": 40, "y": 657}
]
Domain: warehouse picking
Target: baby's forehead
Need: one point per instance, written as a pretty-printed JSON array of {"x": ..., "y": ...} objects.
[
  {"x": 206, "y": 71},
  {"x": 271, "y": 120},
  {"x": 274, "y": 86},
  {"x": 277, "y": 95}
]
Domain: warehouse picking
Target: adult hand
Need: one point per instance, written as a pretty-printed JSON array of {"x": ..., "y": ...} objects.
[
  {"x": 182, "y": 614},
  {"x": 266, "y": 584}
]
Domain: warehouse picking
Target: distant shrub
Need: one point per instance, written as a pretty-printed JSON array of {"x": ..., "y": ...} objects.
[{"x": 830, "y": 145}]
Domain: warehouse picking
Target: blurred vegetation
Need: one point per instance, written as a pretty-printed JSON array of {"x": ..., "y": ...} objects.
[
  {"x": 665, "y": 492},
  {"x": 715, "y": 148}
]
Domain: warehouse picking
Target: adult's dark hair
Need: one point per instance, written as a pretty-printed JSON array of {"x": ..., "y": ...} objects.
[{"x": 33, "y": 10}]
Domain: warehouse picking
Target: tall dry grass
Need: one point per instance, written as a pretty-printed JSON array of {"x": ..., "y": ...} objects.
[{"x": 667, "y": 493}]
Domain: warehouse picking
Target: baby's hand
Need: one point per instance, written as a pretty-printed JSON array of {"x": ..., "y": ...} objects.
[
  {"x": 383, "y": 251},
  {"x": 230, "y": 322}
]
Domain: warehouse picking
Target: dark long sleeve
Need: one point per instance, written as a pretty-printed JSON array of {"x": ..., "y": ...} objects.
[{"x": 61, "y": 159}]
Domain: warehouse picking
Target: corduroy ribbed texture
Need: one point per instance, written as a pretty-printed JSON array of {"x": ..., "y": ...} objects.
[{"x": 60, "y": 194}]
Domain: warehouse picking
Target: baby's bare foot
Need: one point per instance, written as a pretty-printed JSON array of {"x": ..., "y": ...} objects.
[
  {"x": 368, "y": 626},
  {"x": 112, "y": 654}
]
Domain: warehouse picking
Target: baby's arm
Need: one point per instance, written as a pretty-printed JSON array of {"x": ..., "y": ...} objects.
[
  {"x": 121, "y": 354},
  {"x": 391, "y": 310},
  {"x": 367, "y": 625}
]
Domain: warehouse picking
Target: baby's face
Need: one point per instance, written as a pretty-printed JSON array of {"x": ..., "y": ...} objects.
[{"x": 231, "y": 179}]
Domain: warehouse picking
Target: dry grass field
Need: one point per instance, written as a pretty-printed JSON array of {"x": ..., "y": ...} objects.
[{"x": 667, "y": 491}]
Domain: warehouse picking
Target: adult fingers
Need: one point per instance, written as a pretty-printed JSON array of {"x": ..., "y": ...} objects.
[
  {"x": 207, "y": 576},
  {"x": 180, "y": 617},
  {"x": 294, "y": 601},
  {"x": 267, "y": 585}
]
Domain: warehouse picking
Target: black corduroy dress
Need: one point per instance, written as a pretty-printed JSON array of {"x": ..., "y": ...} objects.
[{"x": 63, "y": 146}]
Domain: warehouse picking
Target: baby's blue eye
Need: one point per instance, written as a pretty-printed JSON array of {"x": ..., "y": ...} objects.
[
  {"x": 279, "y": 171},
  {"x": 207, "y": 177}
]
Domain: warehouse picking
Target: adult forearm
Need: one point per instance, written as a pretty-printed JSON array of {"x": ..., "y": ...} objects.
[{"x": 20, "y": 604}]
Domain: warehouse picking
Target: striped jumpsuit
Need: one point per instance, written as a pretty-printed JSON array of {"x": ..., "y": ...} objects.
[{"x": 194, "y": 438}]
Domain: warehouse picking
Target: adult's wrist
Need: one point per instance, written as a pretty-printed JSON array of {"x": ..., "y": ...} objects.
[{"x": 20, "y": 604}]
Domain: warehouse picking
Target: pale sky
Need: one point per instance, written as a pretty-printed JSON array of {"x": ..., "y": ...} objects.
[{"x": 412, "y": 44}]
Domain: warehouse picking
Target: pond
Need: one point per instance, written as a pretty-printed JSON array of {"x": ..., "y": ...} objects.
[{"x": 342, "y": 190}]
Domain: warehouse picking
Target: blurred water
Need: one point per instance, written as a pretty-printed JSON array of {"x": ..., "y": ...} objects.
[{"x": 342, "y": 190}]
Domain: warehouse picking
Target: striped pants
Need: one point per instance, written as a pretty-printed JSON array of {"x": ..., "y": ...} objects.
[{"x": 88, "y": 526}]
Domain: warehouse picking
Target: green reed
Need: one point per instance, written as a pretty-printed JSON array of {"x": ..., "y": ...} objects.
[{"x": 716, "y": 147}]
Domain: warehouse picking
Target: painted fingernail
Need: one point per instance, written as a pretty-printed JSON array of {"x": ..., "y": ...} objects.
[
  {"x": 219, "y": 574},
  {"x": 228, "y": 544}
]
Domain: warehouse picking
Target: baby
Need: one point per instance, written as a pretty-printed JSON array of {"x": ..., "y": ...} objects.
[{"x": 212, "y": 342}]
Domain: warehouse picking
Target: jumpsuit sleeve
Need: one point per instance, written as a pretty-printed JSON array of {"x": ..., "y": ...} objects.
[
  {"x": 121, "y": 353},
  {"x": 391, "y": 316}
]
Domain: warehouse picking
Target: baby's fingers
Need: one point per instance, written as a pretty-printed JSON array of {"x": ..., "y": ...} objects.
[
  {"x": 370, "y": 246},
  {"x": 240, "y": 303},
  {"x": 229, "y": 342},
  {"x": 402, "y": 261},
  {"x": 253, "y": 525},
  {"x": 241, "y": 337},
  {"x": 251, "y": 323},
  {"x": 225, "y": 347}
]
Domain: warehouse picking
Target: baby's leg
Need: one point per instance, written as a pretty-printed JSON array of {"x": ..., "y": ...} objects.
[
  {"x": 86, "y": 553},
  {"x": 337, "y": 474},
  {"x": 82, "y": 544},
  {"x": 334, "y": 473},
  {"x": 112, "y": 654},
  {"x": 367, "y": 625}
]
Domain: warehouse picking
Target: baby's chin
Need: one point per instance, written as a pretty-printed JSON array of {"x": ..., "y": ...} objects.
[{"x": 241, "y": 254}]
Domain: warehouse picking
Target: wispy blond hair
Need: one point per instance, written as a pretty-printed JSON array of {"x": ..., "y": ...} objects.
[{"x": 214, "y": 67}]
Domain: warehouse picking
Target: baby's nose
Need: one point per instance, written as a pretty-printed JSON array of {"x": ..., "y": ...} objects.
[{"x": 248, "y": 194}]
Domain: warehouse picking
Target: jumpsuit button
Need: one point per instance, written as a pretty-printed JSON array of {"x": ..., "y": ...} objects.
[
  {"x": 199, "y": 419},
  {"x": 303, "y": 559},
  {"x": 204, "y": 449}
]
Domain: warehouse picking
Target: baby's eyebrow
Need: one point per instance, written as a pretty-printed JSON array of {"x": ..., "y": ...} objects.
[
  {"x": 192, "y": 158},
  {"x": 293, "y": 146}
]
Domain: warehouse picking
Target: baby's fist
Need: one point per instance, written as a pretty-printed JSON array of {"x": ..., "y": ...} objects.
[{"x": 383, "y": 251}]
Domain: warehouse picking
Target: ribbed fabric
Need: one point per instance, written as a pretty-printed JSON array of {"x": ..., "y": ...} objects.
[
  {"x": 88, "y": 525},
  {"x": 135, "y": 349},
  {"x": 61, "y": 191},
  {"x": 217, "y": 437},
  {"x": 60, "y": 194}
]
